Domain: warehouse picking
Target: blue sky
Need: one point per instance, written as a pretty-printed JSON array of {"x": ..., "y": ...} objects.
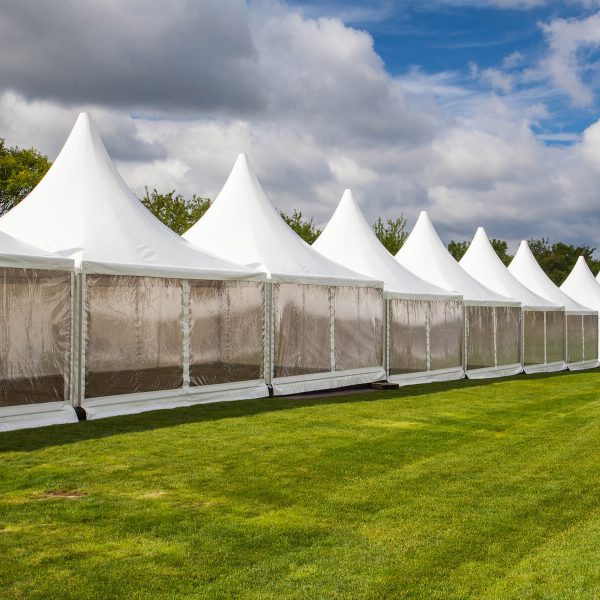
[{"x": 438, "y": 37}]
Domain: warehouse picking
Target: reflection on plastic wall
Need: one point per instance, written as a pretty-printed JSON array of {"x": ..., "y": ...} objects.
[
  {"x": 508, "y": 335},
  {"x": 301, "y": 329},
  {"x": 480, "y": 337},
  {"x": 533, "y": 333},
  {"x": 446, "y": 334},
  {"x": 227, "y": 331},
  {"x": 408, "y": 336},
  {"x": 35, "y": 332},
  {"x": 134, "y": 334},
  {"x": 574, "y": 338},
  {"x": 358, "y": 327},
  {"x": 555, "y": 336},
  {"x": 590, "y": 330}
]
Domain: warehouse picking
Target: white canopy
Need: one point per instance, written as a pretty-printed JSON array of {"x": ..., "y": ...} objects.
[
  {"x": 349, "y": 240},
  {"x": 17, "y": 254},
  {"x": 244, "y": 227},
  {"x": 424, "y": 254},
  {"x": 527, "y": 270},
  {"x": 82, "y": 209},
  {"x": 582, "y": 286},
  {"x": 482, "y": 263}
]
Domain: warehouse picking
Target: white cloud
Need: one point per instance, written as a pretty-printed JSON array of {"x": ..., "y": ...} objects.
[{"x": 330, "y": 116}]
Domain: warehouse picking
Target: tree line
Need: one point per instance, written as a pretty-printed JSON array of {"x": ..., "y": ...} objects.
[{"x": 21, "y": 169}]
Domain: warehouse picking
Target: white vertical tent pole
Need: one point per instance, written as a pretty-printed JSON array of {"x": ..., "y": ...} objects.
[
  {"x": 465, "y": 336},
  {"x": 268, "y": 334},
  {"x": 186, "y": 294},
  {"x": 332, "y": 291},
  {"x": 495, "y": 325},
  {"x": 522, "y": 338},
  {"x": 386, "y": 335},
  {"x": 70, "y": 382},
  {"x": 582, "y": 339},
  {"x": 428, "y": 337},
  {"x": 82, "y": 338},
  {"x": 545, "y": 338}
]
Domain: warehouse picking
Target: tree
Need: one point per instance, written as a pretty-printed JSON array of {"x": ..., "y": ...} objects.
[
  {"x": 305, "y": 228},
  {"x": 20, "y": 171},
  {"x": 558, "y": 259},
  {"x": 458, "y": 249},
  {"x": 174, "y": 210},
  {"x": 392, "y": 234},
  {"x": 501, "y": 248}
]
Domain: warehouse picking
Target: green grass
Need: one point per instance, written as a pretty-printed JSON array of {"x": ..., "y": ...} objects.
[{"x": 460, "y": 490}]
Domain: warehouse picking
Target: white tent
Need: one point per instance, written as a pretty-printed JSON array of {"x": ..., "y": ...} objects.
[
  {"x": 142, "y": 293},
  {"x": 424, "y": 322},
  {"x": 582, "y": 322},
  {"x": 492, "y": 321},
  {"x": 583, "y": 287},
  {"x": 543, "y": 322},
  {"x": 327, "y": 328},
  {"x": 35, "y": 290}
]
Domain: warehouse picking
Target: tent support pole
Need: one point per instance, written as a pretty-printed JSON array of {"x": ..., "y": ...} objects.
[
  {"x": 386, "y": 336},
  {"x": 79, "y": 328},
  {"x": 268, "y": 336},
  {"x": 495, "y": 325},
  {"x": 332, "y": 326},
  {"x": 428, "y": 337},
  {"x": 465, "y": 337},
  {"x": 186, "y": 291},
  {"x": 545, "y": 339}
]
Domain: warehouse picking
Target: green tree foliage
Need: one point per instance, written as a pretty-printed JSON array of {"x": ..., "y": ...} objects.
[
  {"x": 174, "y": 210},
  {"x": 20, "y": 171},
  {"x": 559, "y": 258},
  {"x": 392, "y": 234},
  {"x": 501, "y": 248},
  {"x": 458, "y": 249},
  {"x": 305, "y": 228}
]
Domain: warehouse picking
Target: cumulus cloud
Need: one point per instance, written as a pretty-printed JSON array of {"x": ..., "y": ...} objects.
[{"x": 320, "y": 113}]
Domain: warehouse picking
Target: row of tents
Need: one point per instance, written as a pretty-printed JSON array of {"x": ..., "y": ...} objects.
[{"x": 106, "y": 311}]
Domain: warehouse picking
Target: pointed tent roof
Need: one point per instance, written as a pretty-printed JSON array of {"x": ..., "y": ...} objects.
[
  {"x": 349, "y": 240},
  {"x": 527, "y": 270},
  {"x": 424, "y": 254},
  {"x": 482, "y": 263},
  {"x": 582, "y": 286},
  {"x": 244, "y": 227},
  {"x": 83, "y": 209},
  {"x": 19, "y": 255}
]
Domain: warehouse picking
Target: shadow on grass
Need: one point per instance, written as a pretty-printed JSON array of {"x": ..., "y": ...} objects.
[{"x": 56, "y": 435}]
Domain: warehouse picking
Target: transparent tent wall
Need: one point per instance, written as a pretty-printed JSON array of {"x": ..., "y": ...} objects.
[
  {"x": 358, "y": 327},
  {"x": 574, "y": 338},
  {"x": 409, "y": 322},
  {"x": 35, "y": 336},
  {"x": 534, "y": 351},
  {"x": 227, "y": 331},
  {"x": 555, "y": 336},
  {"x": 445, "y": 334},
  {"x": 408, "y": 336},
  {"x": 480, "y": 337},
  {"x": 301, "y": 329},
  {"x": 590, "y": 333},
  {"x": 508, "y": 335},
  {"x": 134, "y": 337}
]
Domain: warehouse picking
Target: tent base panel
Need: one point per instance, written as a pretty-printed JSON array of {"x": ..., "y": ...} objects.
[
  {"x": 131, "y": 404},
  {"x": 490, "y": 372},
  {"x": 427, "y": 376},
  {"x": 580, "y": 366},
  {"x": 27, "y": 416},
  {"x": 546, "y": 368},
  {"x": 283, "y": 386}
]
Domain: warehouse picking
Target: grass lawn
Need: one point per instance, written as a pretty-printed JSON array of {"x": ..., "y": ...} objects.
[{"x": 468, "y": 489}]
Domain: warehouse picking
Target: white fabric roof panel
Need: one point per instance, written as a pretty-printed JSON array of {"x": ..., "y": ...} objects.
[
  {"x": 582, "y": 286},
  {"x": 349, "y": 240},
  {"x": 82, "y": 209},
  {"x": 527, "y": 270},
  {"x": 425, "y": 255},
  {"x": 244, "y": 227},
  {"x": 17, "y": 254},
  {"x": 482, "y": 263}
]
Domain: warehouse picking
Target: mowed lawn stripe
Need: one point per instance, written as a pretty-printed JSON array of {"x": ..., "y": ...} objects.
[{"x": 455, "y": 490}]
